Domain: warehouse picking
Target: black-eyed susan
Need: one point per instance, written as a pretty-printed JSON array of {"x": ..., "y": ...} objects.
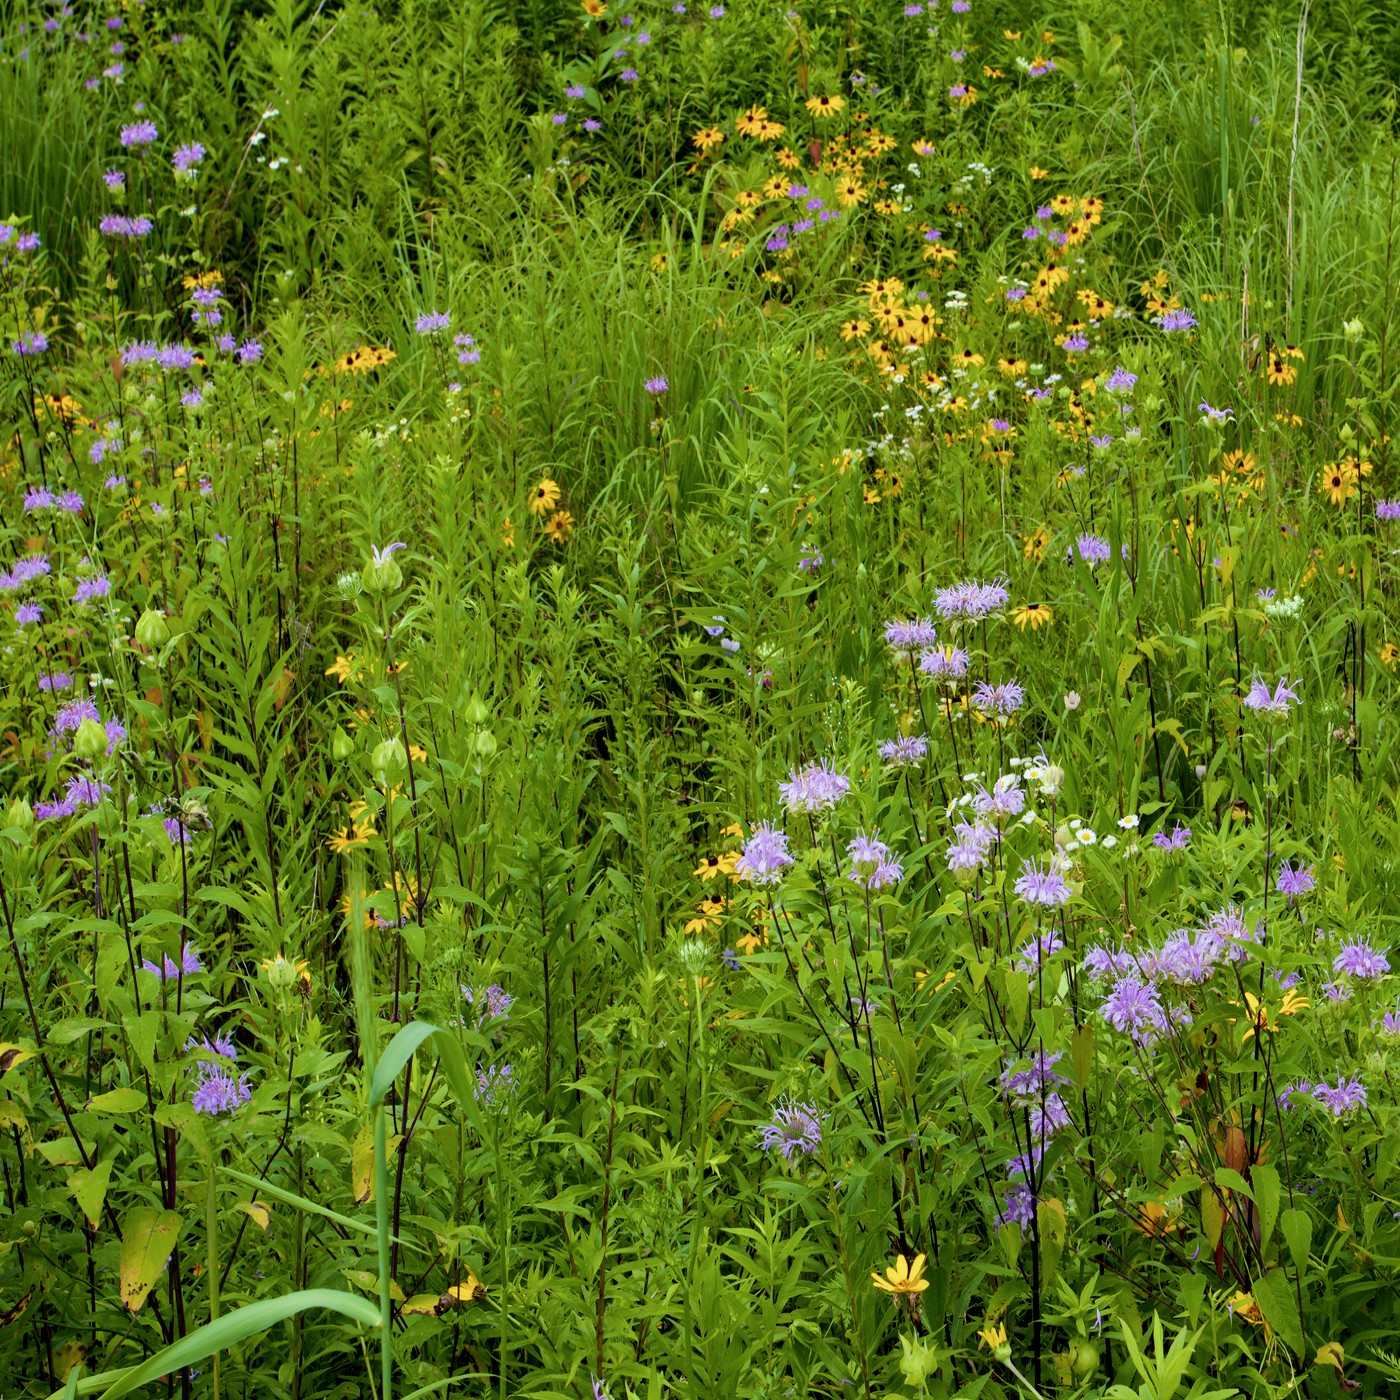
[
  {"x": 902, "y": 1277},
  {"x": 770, "y": 131},
  {"x": 1278, "y": 371},
  {"x": 560, "y": 527},
  {"x": 1390, "y": 656},
  {"x": 923, "y": 148},
  {"x": 751, "y": 123},
  {"x": 1033, "y": 615},
  {"x": 544, "y": 497},
  {"x": 1063, "y": 204},
  {"x": 594, "y": 9},
  {"x": 508, "y": 533},
  {"x": 1091, "y": 207},
  {"x": 348, "y": 838},
  {"x": 968, "y": 359},
  {"x": 1336, "y": 484},
  {"x": 1012, "y": 369},
  {"x": 708, "y": 138},
  {"x": 1012, "y": 34},
  {"x": 363, "y": 359},
  {"x": 713, "y": 866},
  {"x": 777, "y": 187},
  {"x": 1036, "y": 543},
  {"x": 849, "y": 193},
  {"x": 825, "y": 106},
  {"x": 345, "y": 668},
  {"x": 854, "y": 330}
]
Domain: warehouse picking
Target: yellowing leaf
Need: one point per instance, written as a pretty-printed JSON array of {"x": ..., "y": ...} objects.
[
  {"x": 148, "y": 1238},
  {"x": 12, "y": 1055},
  {"x": 1330, "y": 1354},
  {"x": 426, "y": 1305},
  {"x": 362, "y": 1162},
  {"x": 362, "y": 1278},
  {"x": 127, "y": 1100},
  {"x": 257, "y": 1212}
]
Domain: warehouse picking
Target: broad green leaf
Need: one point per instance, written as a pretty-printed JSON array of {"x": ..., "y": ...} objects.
[
  {"x": 89, "y": 1189},
  {"x": 125, "y": 1100},
  {"x": 1277, "y": 1301},
  {"x": 1267, "y": 1190},
  {"x": 1297, "y": 1230}
]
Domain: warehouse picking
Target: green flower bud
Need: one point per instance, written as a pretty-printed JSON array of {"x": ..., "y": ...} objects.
[
  {"x": 389, "y": 762},
  {"x": 90, "y": 741},
  {"x": 342, "y": 745},
  {"x": 919, "y": 1362},
  {"x": 152, "y": 630},
  {"x": 484, "y": 744},
  {"x": 382, "y": 574},
  {"x": 21, "y": 814}
]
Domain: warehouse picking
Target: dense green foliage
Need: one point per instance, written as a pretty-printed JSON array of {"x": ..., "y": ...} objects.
[{"x": 463, "y": 465}]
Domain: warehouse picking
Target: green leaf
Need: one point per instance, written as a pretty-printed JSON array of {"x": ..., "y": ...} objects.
[
  {"x": 148, "y": 1238},
  {"x": 1274, "y": 1294},
  {"x": 218, "y": 1336},
  {"x": 1081, "y": 1053},
  {"x": 1267, "y": 1191},
  {"x": 126, "y": 1100},
  {"x": 1297, "y": 1230},
  {"x": 89, "y": 1189}
]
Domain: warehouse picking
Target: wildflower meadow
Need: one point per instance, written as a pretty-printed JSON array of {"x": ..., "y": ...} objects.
[{"x": 699, "y": 700}]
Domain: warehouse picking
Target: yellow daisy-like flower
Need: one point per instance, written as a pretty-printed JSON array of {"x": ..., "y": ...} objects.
[
  {"x": 508, "y": 533},
  {"x": 849, "y": 193},
  {"x": 363, "y": 359},
  {"x": 902, "y": 1276},
  {"x": 595, "y": 9},
  {"x": 853, "y": 330},
  {"x": 826, "y": 106},
  {"x": 1063, "y": 204},
  {"x": 924, "y": 148},
  {"x": 204, "y": 280},
  {"x": 1091, "y": 206},
  {"x": 560, "y": 527},
  {"x": 1037, "y": 173},
  {"x": 1033, "y": 615},
  {"x": 544, "y": 497},
  {"x": 788, "y": 160},
  {"x": 1390, "y": 656},
  {"x": 1278, "y": 371},
  {"x": 708, "y": 138},
  {"x": 751, "y": 123},
  {"x": 348, "y": 838},
  {"x": 344, "y": 668},
  {"x": 777, "y": 187},
  {"x": 712, "y": 866},
  {"x": 770, "y": 131},
  {"x": 1012, "y": 34},
  {"x": 1336, "y": 484},
  {"x": 1037, "y": 542},
  {"x": 993, "y": 1336},
  {"x": 709, "y": 911}
]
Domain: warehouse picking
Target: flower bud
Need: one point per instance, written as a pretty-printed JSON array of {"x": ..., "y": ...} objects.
[
  {"x": 281, "y": 973},
  {"x": 1354, "y": 329},
  {"x": 152, "y": 630},
  {"x": 20, "y": 815},
  {"x": 342, "y": 745},
  {"x": 389, "y": 762},
  {"x": 484, "y": 743},
  {"x": 90, "y": 741},
  {"x": 382, "y": 574}
]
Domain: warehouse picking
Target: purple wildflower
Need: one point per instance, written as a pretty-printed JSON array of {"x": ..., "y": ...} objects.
[
  {"x": 1276, "y": 705},
  {"x": 1093, "y": 550},
  {"x": 139, "y": 134},
  {"x": 187, "y": 158},
  {"x": 1361, "y": 961},
  {"x": 998, "y": 702},
  {"x": 1294, "y": 881},
  {"x": 430, "y": 322},
  {"x": 1042, "y": 885},
  {"x": 907, "y": 751},
  {"x": 815, "y": 788},
  {"x": 765, "y": 856},
  {"x": 795, "y": 1128},
  {"x": 168, "y": 970},
  {"x": 1180, "y": 320}
]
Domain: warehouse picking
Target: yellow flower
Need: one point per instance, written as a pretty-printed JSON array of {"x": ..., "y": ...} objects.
[
  {"x": 212, "y": 278},
  {"x": 1011, "y": 34},
  {"x": 752, "y": 122},
  {"x": 1036, "y": 173},
  {"x": 363, "y": 359},
  {"x": 710, "y": 136},
  {"x": 902, "y": 1276},
  {"x": 344, "y": 668},
  {"x": 1390, "y": 655},
  {"x": 596, "y": 9},
  {"x": 709, "y": 911},
  {"x": 1063, "y": 204},
  {"x": 827, "y": 106},
  {"x": 993, "y": 1336},
  {"x": 1036, "y": 542},
  {"x": 560, "y": 527},
  {"x": 924, "y": 148},
  {"x": 717, "y": 865},
  {"x": 1033, "y": 615},
  {"x": 544, "y": 497},
  {"x": 849, "y": 193},
  {"x": 508, "y": 533},
  {"x": 770, "y": 131},
  {"x": 1337, "y": 484},
  {"x": 1243, "y": 1305},
  {"x": 1279, "y": 371},
  {"x": 349, "y": 837},
  {"x": 1091, "y": 206},
  {"x": 853, "y": 330}
]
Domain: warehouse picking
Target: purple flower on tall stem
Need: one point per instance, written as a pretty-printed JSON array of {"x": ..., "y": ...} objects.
[
  {"x": 873, "y": 866},
  {"x": 1176, "y": 840},
  {"x": 795, "y": 1129},
  {"x": 1342, "y": 1097},
  {"x": 765, "y": 856},
  {"x": 1042, "y": 885},
  {"x": 1093, "y": 550},
  {"x": 1294, "y": 881},
  {"x": 168, "y": 970},
  {"x": 30, "y": 343},
  {"x": 1361, "y": 962},
  {"x": 115, "y": 180},
  {"x": 1275, "y": 705},
  {"x": 216, "y": 1089},
  {"x": 431, "y": 322},
  {"x": 998, "y": 702},
  {"x": 140, "y": 133},
  {"x": 1179, "y": 320},
  {"x": 187, "y": 158},
  {"x": 815, "y": 788},
  {"x": 908, "y": 751},
  {"x": 657, "y": 385},
  {"x": 905, "y": 638}
]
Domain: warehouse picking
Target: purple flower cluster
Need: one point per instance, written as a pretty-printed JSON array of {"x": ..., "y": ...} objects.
[
  {"x": 765, "y": 856},
  {"x": 216, "y": 1088},
  {"x": 970, "y": 601},
  {"x": 906, "y": 752},
  {"x": 998, "y": 702},
  {"x": 168, "y": 970},
  {"x": 905, "y": 638},
  {"x": 1042, "y": 885},
  {"x": 873, "y": 866},
  {"x": 795, "y": 1129},
  {"x": 816, "y": 788}
]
